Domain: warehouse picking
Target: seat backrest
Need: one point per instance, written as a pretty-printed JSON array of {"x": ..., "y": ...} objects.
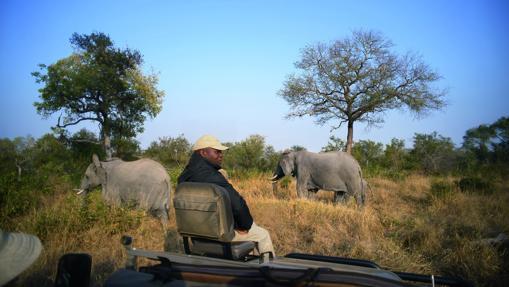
[{"x": 203, "y": 210}]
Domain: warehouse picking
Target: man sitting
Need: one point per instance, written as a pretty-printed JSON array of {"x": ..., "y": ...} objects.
[{"x": 204, "y": 166}]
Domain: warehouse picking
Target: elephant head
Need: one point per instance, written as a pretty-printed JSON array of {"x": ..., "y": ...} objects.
[
  {"x": 286, "y": 166},
  {"x": 95, "y": 175}
]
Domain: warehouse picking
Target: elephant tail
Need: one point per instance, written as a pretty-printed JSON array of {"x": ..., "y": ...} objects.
[{"x": 363, "y": 188}]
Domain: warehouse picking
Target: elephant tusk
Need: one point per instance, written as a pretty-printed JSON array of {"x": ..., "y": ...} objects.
[
  {"x": 80, "y": 191},
  {"x": 274, "y": 178}
]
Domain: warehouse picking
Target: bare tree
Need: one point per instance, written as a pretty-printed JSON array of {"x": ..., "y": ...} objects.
[{"x": 359, "y": 79}]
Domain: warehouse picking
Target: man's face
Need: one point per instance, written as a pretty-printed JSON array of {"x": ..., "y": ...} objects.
[{"x": 212, "y": 155}]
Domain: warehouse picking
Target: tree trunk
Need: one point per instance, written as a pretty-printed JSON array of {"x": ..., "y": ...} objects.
[
  {"x": 107, "y": 142},
  {"x": 19, "y": 170},
  {"x": 349, "y": 137}
]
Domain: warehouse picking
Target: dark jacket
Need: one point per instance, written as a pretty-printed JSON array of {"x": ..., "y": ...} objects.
[{"x": 200, "y": 170}]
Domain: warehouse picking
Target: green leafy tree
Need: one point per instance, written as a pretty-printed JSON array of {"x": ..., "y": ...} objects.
[
  {"x": 99, "y": 83},
  {"x": 358, "y": 79},
  {"x": 394, "y": 157},
  {"x": 486, "y": 148},
  {"x": 368, "y": 153},
  {"x": 16, "y": 156},
  {"x": 433, "y": 153},
  {"x": 83, "y": 144},
  {"x": 500, "y": 141},
  {"x": 477, "y": 140},
  {"x": 172, "y": 152},
  {"x": 245, "y": 155},
  {"x": 126, "y": 148},
  {"x": 270, "y": 159},
  {"x": 334, "y": 144}
]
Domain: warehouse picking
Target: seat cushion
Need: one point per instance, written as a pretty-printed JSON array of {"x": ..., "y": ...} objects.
[{"x": 214, "y": 248}]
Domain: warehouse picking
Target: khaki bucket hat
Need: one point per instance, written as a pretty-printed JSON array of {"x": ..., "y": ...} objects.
[
  {"x": 208, "y": 141},
  {"x": 17, "y": 252}
]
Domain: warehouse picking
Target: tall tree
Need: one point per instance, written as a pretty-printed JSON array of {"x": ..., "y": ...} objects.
[
  {"x": 489, "y": 143},
  {"x": 433, "y": 153},
  {"x": 477, "y": 140},
  {"x": 99, "y": 83},
  {"x": 357, "y": 79}
]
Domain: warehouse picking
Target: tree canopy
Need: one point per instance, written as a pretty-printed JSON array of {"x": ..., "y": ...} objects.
[
  {"x": 99, "y": 83},
  {"x": 489, "y": 144},
  {"x": 357, "y": 79}
]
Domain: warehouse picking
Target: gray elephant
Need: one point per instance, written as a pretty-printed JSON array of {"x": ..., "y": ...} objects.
[
  {"x": 143, "y": 182},
  {"x": 334, "y": 171}
]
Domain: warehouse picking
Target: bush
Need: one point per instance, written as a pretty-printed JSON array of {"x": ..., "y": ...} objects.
[
  {"x": 442, "y": 188},
  {"x": 174, "y": 173},
  {"x": 475, "y": 184}
]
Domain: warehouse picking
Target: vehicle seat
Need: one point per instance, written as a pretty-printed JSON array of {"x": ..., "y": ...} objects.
[{"x": 205, "y": 221}]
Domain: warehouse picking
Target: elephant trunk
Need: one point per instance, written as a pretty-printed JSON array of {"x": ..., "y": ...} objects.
[{"x": 278, "y": 174}]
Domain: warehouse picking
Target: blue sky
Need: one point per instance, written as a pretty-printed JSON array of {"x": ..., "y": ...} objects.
[{"x": 222, "y": 63}]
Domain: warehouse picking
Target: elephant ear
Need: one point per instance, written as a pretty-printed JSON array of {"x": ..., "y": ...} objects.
[{"x": 95, "y": 160}]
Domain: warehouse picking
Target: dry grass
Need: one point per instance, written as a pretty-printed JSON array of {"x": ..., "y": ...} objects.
[{"x": 402, "y": 227}]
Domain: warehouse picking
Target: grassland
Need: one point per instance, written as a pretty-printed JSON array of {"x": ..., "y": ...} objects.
[{"x": 408, "y": 225}]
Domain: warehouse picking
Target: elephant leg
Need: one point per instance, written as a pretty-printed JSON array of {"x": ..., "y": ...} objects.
[
  {"x": 340, "y": 197},
  {"x": 302, "y": 191},
  {"x": 311, "y": 193},
  {"x": 360, "y": 195},
  {"x": 360, "y": 198}
]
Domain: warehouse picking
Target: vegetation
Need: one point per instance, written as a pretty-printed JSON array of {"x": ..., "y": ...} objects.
[
  {"x": 357, "y": 79},
  {"x": 99, "y": 83},
  {"x": 429, "y": 210},
  {"x": 406, "y": 226}
]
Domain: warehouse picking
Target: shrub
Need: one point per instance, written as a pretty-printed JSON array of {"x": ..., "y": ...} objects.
[
  {"x": 475, "y": 184},
  {"x": 442, "y": 188}
]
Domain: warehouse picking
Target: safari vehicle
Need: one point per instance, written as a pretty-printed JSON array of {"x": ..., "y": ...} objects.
[{"x": 205, "y": 222}]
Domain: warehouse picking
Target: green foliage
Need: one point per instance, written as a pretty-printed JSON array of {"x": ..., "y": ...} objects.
[
  {"x": 31, "y": 169},
  {"x": 442, "y": 188},
  {"x": 99, "y": 83},
  {"x": 82, "y": 145},
  {"x": 15, "y": 198},
  {"x": 78, "y": 214},
  {"x": 174, "y": 173},
  {"x": 126, "y": 148},
  {"x": 249, "y": 157},
  {"x": 395, "y": 160},
  {"x": 486, "y": 149},
  {"x": 369, "y": 155},
  {"x": 171, "y": 152},
  {"x": 433, "y": 153},
  {"x": 476, "y": 184},
  {"x": 246, "y": 154},
  {"x": 334, "y": 144}
]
